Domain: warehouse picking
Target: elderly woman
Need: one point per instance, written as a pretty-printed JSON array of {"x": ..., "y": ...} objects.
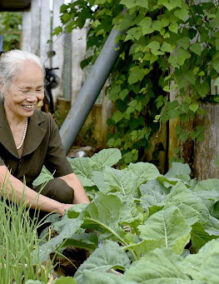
[{"x": 30, "y": 139}]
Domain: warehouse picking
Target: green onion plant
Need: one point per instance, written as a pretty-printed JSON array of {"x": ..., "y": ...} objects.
[{"x": 18, "y": 239}]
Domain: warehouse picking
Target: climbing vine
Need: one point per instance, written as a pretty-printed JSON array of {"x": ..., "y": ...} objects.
[{"x": 168, "y": 61}]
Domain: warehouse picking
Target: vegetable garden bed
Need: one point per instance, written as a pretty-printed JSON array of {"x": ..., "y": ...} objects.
[{"x": 140, "y": 227}]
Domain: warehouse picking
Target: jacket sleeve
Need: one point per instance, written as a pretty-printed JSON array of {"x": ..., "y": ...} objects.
[
  {"x": 1, "y": 162},
  {"x": 56, "y": 161}
]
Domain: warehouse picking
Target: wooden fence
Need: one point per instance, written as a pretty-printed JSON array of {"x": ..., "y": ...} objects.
[{"x": 70, "y": 49}]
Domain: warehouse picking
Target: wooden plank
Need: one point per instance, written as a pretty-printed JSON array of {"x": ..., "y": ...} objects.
[
  {"x": 45, "y": 30},
  {"x": 67, "y": 67},
  {"x": 26, "y": 31},
  {"x": 78, "y": 54},
  {"x": 207, "y": 151},
  {"x": 58, "y": 47},
  {"x": 35, "y": 27},
  {"x": 173, "y": 142}
]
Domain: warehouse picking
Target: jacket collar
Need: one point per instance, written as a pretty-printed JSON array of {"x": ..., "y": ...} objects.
[{"x": 35, "y": 133}]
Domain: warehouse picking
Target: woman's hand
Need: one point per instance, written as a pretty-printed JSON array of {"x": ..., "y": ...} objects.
[{"x": 63, "y": 208}]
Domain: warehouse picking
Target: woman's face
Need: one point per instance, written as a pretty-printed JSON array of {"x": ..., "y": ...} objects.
[{"x": 25, "y": 91}]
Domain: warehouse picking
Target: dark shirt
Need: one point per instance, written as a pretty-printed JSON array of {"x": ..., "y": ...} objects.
[{"x": 42, "y": 146}]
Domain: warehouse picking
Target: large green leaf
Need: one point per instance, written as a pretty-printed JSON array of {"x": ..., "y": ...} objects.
[
  {"x": 208, "y": 191},
  {"x": 204, "y": 265},
  {"x": 104, "y": 212},
  {"x": 208, "y": 185},
  {"x": 125, "y": 181},
  {"x": 144, "y": 171},
  {"x": 87, "y": 241},
  {"x": 199, "y": 237},
  {"x": 93, "y": 277},
  {"x": 108, "y": 256},
  {"x": 65, "y": 280},
  {"x": 166, "y": 229},
  {"x": 69, "y": 227},
  {"x": 159, "y": 266},
  {"x": 113, "y": 180},
  {"x": 153, "y": 194},
  {"x": 212, "y": 226},
  {"x": 106, "y": 157},
  {"x": 179, "y": 170},
  {"x": 44, "y": 177},
  {"x": 190, "y": 205},
  {"x": 82, "y": 167},
  {"x": 131, "y": 213}
]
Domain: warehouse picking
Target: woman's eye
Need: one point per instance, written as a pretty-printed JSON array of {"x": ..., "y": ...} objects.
[{"x": 24, "y": 90}]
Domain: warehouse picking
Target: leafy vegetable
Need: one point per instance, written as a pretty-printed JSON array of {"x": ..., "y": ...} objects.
[{"x": 141, "y": 226}]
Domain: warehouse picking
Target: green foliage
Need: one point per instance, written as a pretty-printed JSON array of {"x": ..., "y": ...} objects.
[
  {"x": 141, "y": 226},
  {"x": 162, "y": 42},
  {"x": 10, "y": 29},
  {"x": 18, "y": 239}
]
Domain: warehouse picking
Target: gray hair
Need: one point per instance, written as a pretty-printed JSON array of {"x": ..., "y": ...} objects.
[{"x": 12, "y": 61}]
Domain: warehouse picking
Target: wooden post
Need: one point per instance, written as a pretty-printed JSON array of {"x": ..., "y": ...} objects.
[
  {"x": 45, "y": 31},
  {"x": 26, "y": 31},
  {"x": 58, "y": 47},
  {"x": 35, "y": 27},
  {"x": 207, "y": 151},
  {"x": 78, "y": 54},
  {"x": 67, "y": 67}
]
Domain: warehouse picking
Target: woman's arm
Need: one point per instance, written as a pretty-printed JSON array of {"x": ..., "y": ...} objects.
[
  {"x": 27, "y": 195},
  {"x": 79, "y": 193}
]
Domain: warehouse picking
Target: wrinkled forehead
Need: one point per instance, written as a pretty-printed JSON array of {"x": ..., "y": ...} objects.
[{"x": 28, "y": 74}]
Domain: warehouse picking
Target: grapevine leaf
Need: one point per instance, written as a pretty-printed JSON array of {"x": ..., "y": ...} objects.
[{"x": 134, "y": 3}]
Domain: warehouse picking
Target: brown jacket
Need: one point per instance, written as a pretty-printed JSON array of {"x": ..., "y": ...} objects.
[{"x": 42, "y": 146}]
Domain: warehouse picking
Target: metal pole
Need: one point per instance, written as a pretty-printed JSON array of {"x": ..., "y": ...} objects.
[{"x": 90, "y": 90}]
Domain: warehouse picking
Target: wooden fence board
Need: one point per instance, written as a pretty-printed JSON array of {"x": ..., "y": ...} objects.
[
  {"x": 35, "y": 26},
  {"x": 207, "y": 151},
  {"x": 45, "y": 31}
]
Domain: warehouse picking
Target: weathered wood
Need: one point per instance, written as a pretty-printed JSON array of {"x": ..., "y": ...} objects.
[
  {"x": 58, "y": 47},
  {"x": 173, "y": 142},
  {"x": 26, "y": 31},
  {"x": 35, "y": 26},
  {"x": 207, "y": 151},
  {"x": 78, "y": 54},
  {"x": 45, "y": 31},
  {"x": 158, "y": 144},
  {"x": 67, "y": 67}
]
